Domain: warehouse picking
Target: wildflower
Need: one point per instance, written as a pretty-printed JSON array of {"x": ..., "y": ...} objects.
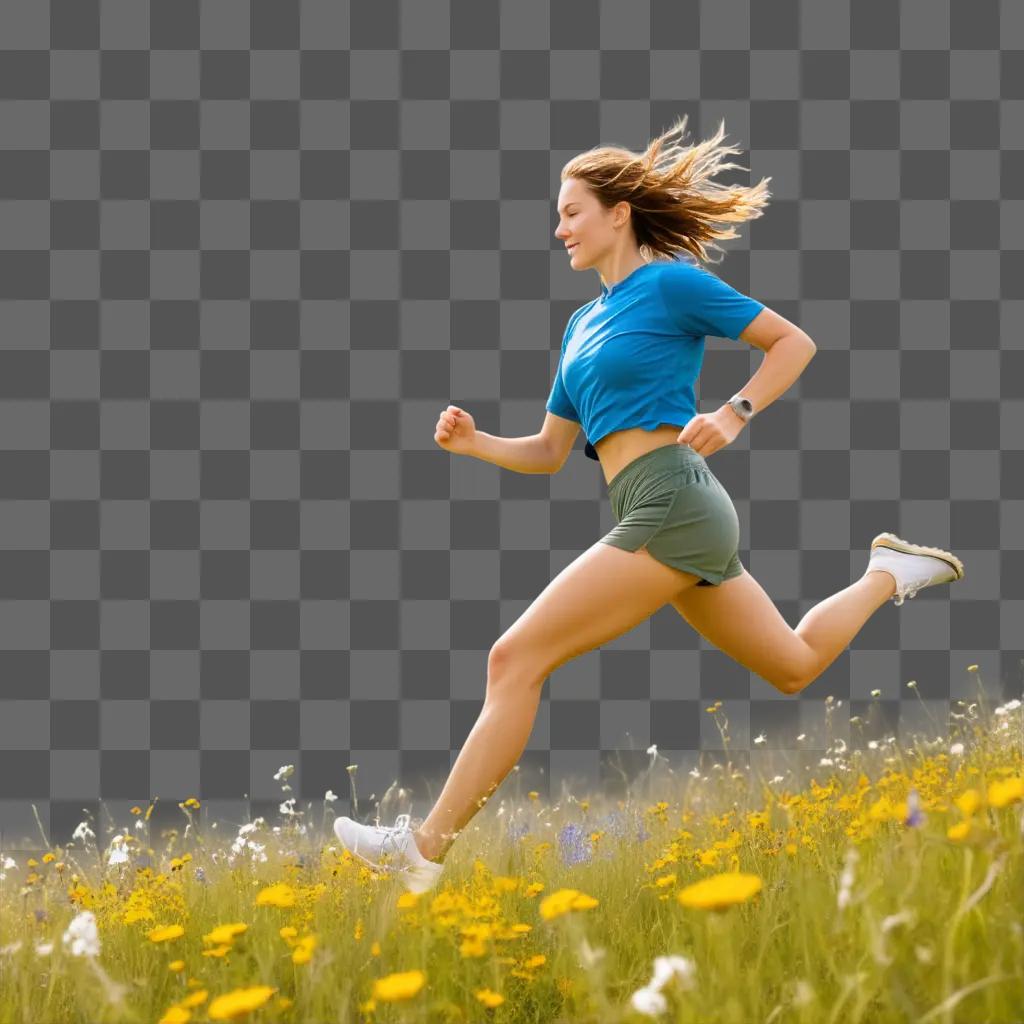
[
  {"x": 83, "y": 832},
  {"x": 303, "y": 951},
  {"x": 195, "y": 998},
  {"x": 81, "y": 937},
  {"x": 280, "y": 895},
  {"x": 956, "y": 749},
  {"x": 176, "y": 1015},
  {"x": 331, "y": 796},
  {"x": 176, "y": 966},
  {"x": 395, "y": 987},
  {"x": 720, "y": 891},
  {"x": 649, "y": 1002},
  {"x": 563, "y": 901},
  {"x": 284, "y": 772},
  {"x": 915, "y": 816},
  {"x": 166, "y": 933},
  {"x": 489, "y": 998},
  {"x": 191, "y": 802},
  {"x": 1003, "y": 792},
  {"x": 224, "y": 934},
  {"x": 673, "y": 968},
  {"x": 240, "y": 1002},
  {"x": 44, "y": 949},
  {"x": 575, "y": 848},
  {"x": 968, "y": 802},
  {"x": 516, "y": 832},
  {"x": 846, "y": 879}
]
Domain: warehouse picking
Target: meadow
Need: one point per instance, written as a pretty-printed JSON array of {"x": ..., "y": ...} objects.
[{"x": 879, "y": 882}]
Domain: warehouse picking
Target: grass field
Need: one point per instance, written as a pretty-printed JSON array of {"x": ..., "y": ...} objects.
[{"x": 879, "y": 883}]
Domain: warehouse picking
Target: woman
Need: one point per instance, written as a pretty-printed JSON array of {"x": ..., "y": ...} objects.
[{"x": 628, "y": 363}]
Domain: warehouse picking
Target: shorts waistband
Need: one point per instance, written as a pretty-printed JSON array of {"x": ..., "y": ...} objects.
[{"x": 675, "y": 449}]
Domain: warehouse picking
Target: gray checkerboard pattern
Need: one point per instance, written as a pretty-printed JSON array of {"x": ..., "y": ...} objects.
[{"x": 244, "y": 264}]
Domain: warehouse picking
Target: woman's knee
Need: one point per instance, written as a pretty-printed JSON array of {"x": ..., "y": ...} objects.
[{"x": 507, "y": 665}]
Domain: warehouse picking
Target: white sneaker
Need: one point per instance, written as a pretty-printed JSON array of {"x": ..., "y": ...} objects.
[
  {"x": 913, "y": 566},
  {"x": 390, "y": 850}
]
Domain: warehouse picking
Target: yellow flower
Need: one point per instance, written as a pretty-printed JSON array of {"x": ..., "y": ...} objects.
[
  {"x": 218, "y": 952},
  {"x": 197, "y": 998},
  {"x": 166, "y": 933},
  {"x": 488, "y": 997},
  {"x": 191, "y": 802},
  {"x": 303, "y": 951},
  {"x": 283, "y": 1002},
  {"x": 136, "y": 810},
  {"x": 280, "y": 895},
  {"x": 394, "y": 987},
  {"x": 287, "y": 932},
  {"x": 564, "y": 900},
  {"x": 1003, "y": 792},
  {"x": 958, "y": 831},
  {"x": 48, "y": 857},
  {"x": 239, "y": 1002},
  {"x": 224, "y": 934},
  {"x": 176, "y": 966},
  {"x": 968, "y": 802},
  {"x": 720, "y": 891},
  {"x": 176, "y": 1015}
]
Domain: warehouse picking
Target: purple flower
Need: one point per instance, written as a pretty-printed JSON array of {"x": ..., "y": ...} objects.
[
  {"x": 574, "y": 845},
  {"x": 516, "y": 832},
  {"x": 915, "y": 816}
]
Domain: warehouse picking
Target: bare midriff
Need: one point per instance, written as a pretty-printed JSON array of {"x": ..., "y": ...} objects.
[{"x": 619, "y": 448}]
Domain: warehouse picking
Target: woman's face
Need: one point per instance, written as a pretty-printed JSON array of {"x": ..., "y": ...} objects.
[{"x": 583, "y": 223}]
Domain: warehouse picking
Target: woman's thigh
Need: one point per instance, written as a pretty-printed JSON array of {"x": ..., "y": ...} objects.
[
  {"x": 741, "y": 620},
  {"x": 602, "y": 594}
]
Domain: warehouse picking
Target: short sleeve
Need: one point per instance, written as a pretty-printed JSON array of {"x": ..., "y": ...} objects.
[
  {"x": 701, "y": 303},
  {"x": 559, "y": 401}
]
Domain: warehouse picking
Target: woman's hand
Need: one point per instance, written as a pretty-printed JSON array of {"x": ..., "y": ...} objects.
[
  {"x": 455, "y": 431},
  {"x": 707, "y": 432}
]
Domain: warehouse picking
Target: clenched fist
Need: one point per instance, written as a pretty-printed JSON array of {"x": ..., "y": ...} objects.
[{"x": 456, "y": 431}]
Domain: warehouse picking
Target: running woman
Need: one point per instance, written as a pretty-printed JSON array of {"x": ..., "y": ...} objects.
[{"x": 629, "y": 360}]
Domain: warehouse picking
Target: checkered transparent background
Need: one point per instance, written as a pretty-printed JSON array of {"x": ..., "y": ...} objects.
[{"x": 249, "y": 250}]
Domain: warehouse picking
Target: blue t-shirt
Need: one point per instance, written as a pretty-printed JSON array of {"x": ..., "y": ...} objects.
[{"x": 631, "y": 356}]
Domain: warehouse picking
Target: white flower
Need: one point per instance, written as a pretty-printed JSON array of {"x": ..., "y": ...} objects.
[
  {"x": 668, "y": 967},
  {"x": 81, "y": 937},
  {"x": 44, "y": 949},
  {"x": 12, "y": 948},
  {"x": 117, "y": 854},
  {"x": 1009, "y": 706},
  {"x": 589, "y": 955},
  {"x": 826, "y": 761},
  {"x": 284, "y": 772},
  {"x": 652, "y": 750},
  {"x": 288, "y": 807},
  {"x": 760, "y": 739},
  {"x": 83, "y": 832},
  {"x": 803, "y": 993},
  {"x": 330, "y": 795},
  {"x": 957, "y": 749},
  {"x": 649, "y": 1001}
]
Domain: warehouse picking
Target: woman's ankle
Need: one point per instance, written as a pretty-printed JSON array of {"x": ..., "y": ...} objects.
[{"x": 429, "y": 848}]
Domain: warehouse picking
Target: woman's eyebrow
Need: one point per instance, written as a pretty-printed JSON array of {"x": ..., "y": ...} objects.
[{"x": 572, "y": 202}]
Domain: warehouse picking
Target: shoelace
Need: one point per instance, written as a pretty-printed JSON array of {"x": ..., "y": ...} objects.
[{"x": 391, "y": 835}]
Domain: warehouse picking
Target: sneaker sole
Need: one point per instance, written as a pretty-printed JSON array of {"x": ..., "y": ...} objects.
[{"x": 890, "y": 540}]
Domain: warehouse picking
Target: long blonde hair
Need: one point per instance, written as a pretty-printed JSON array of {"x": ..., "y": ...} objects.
[{"x": 674, "y": 207}]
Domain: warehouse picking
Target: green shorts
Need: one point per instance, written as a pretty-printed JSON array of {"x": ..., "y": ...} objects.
[{"x": 669, "y": 501}]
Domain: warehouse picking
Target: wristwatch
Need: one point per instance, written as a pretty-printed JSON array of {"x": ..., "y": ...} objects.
[{"x": 743, "y": 407}]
